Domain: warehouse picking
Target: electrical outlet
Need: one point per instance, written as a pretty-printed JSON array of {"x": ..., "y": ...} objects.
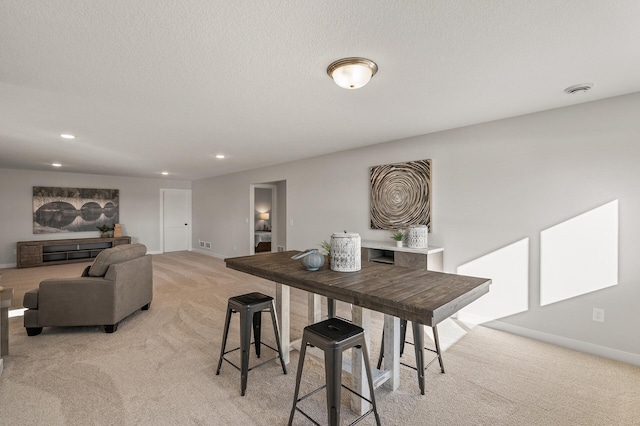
[
  {"x": 207, "y": 245},
  {"x": 201, "y": 243},
  {"x": 598, "y": 314}
]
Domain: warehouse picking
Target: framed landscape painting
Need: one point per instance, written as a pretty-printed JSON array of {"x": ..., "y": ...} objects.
[{"x": 73, "y": 209}]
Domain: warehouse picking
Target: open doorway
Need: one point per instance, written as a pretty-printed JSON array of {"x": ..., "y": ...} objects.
[{"x": 265, "y": 230}]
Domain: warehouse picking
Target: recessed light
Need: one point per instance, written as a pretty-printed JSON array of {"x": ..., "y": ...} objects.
[
  {"x": 220, "y": 156},
  {"x": 67, "y": 136},
  {"x": 165, "y": 173},
  {"x": 56, "y": 164}
]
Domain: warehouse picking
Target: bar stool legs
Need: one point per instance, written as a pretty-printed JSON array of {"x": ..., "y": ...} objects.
[
  {"x": 331, "y": 307},
  {"x": 250, "y": 307},
  {"x": 333, "y": 336},
  {"x": 257, "y": 332},
  {"x": 418, "y": 342}
]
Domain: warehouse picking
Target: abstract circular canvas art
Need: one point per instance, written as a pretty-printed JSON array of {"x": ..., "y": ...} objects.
[{"x": 401, "y": 195}]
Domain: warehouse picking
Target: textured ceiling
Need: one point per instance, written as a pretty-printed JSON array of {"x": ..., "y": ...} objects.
[{"x": 151, "y": 85}]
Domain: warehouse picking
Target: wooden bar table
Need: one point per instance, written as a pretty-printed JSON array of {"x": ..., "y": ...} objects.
[{"x": 423, "y": 296}]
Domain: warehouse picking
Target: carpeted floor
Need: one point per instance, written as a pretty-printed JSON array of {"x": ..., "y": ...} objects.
[{"x": 159, "y": 367}]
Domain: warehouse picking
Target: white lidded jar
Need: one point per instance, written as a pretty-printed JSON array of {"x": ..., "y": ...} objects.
[
  {"x": 417, "y": 236},
  {"x": 345, "y": 252}
]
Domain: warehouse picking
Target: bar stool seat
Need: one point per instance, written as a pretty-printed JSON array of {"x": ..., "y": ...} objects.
[
  {"x": 333, "y": 336},
  {"x": 418, "y": 343},
  {"x": 250, "y": 307}
]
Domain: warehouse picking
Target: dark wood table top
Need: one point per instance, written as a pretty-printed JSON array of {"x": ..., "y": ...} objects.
[{"x": 419, "y": 295}]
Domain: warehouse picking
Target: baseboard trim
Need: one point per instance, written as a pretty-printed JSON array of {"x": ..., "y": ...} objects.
[
  {"x": 1, "y": 366},
  {"x": 7, "y": 265},
  {"x": 578, "y": 345},
  {"x": 209, "y": 253}
]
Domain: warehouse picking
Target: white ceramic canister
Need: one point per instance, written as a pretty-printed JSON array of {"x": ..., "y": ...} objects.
[
  {"x": 417, "y": 236},
  {"x": 345, "y": 252}
]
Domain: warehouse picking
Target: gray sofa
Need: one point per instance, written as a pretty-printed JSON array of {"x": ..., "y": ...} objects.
[{"x": 118, "y": 283}]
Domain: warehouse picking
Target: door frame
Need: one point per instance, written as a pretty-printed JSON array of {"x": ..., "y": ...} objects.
[
  {"x": 273, "y": 218},
  {"x": 190, "y": 226}
]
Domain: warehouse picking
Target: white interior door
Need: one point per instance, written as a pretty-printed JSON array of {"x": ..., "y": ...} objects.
[{"x": 176, "y": 219}]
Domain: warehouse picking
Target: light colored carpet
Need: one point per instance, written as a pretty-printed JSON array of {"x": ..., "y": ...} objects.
[{"x": 159, "y": 367}]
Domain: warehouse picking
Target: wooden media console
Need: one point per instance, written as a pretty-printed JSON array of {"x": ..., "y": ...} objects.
[{"x": 52, "y": 252}]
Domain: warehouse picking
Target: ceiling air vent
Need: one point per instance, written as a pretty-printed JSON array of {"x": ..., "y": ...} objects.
[{"x": 578, "y": 88}]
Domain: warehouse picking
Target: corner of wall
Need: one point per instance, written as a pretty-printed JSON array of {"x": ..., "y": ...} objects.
[
  {"x": 565, "y": 342},
  {"x": 208, "y": 253}
]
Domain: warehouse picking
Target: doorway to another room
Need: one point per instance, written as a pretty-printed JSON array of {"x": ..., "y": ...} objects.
[{"x": 265, "y": 202}]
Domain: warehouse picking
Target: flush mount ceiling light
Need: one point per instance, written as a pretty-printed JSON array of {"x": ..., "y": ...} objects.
[
  {"x": 67, "y": 136},
  {"x": 578, "y": 88},
  {"x": 352, "y": 73},
  {"x": 56, "y": 164}
]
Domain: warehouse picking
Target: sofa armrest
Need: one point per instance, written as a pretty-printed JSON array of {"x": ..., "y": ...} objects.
[{"x": 133, "y": 284}]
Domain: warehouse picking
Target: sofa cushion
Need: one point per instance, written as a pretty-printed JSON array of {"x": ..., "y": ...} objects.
[{"x": 118, "y": 254}]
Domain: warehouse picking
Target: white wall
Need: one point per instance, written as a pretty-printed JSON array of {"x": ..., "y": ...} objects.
[
  {"x": 139, "y": 206},
  {"x": 495, "y": 184}
]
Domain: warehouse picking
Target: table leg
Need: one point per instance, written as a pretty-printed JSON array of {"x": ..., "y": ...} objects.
[
  {"x": 362, "y": 318},
  {"x": 315, "y": 308},
  {"x": 6, "y": 295},
  {"x": 283, "y": 309},
  {"x": 4, "y": 331},
  {"x": 392, "y": 336}
]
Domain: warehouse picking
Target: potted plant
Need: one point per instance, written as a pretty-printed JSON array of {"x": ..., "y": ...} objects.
[
  {"x": 104, "y": 231},
  {"x": 327, "y": 247},
  {"x": 398, "y": 236}
]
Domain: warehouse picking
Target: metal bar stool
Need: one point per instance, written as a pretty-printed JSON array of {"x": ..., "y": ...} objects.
[
  {"x": 418, "y": 342},
  {"x": 333, "y": 336},
  {"x": 250, "y": 307}
]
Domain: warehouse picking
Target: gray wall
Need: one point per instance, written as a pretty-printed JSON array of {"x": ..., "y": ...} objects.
[
  {"x": 139, "y": 206},
  {"x": 281, "y": 239},
  {"x": 494, "y": 184}
]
